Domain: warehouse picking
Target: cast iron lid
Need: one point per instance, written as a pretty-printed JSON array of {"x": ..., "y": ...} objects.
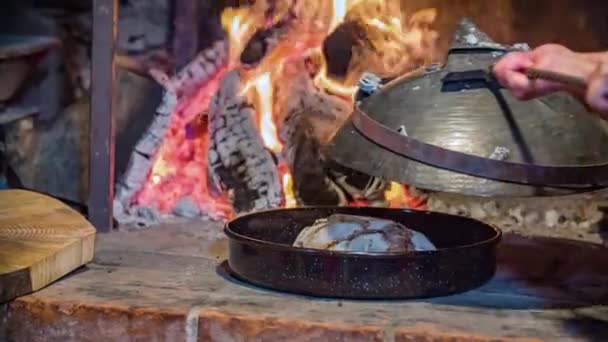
[{"x": 460, "y": 132}]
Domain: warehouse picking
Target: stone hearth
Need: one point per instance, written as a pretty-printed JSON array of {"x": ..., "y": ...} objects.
[{"x": 169, "y": 284}]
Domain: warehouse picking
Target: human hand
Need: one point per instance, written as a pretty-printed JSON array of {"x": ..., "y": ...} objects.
[
  {"x": 597, "y": 91},
  {"x": 510, "y": 71}
]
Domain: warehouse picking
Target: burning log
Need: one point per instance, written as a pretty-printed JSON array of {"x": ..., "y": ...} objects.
[
  {"x": 388, "y": 47},
  {"x": 307, "y": 116},
  {"x": 190, "y": 79},
  {"x": 304, "y": 158},
  {"x": 179, "y": 162},
  {"x": 148, "y": 66},
  {"x": 238, "y": 161},
  {"x": 311, "y": 117}
]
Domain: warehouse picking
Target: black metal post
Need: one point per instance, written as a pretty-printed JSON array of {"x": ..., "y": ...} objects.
[{"x": 101, "y": 138}]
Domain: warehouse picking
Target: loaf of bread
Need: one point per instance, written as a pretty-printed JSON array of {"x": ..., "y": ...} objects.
[{"x": 349, "y": 233}]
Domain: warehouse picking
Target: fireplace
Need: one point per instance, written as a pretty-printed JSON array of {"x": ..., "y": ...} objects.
[
  {"x": 245, "y": 124},
  {"x": 308, "y": 92},
  {"x": 242, "y": 127}
]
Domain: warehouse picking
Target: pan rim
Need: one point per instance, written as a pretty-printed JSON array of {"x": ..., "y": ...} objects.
[{"x": 495, "y": 239}]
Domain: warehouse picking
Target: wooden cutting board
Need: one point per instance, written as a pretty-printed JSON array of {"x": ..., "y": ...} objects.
[{"x": 41, "y": 240}]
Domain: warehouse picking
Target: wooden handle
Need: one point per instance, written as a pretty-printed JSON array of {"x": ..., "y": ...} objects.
[{"x": 536, "y": 74}]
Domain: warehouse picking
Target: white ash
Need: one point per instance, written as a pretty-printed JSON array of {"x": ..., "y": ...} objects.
[
  {"x": 500, "y": 153},
  {"x": 135, "y": 216},
  {"x": 402, "y": 130},
  {"x": 551, "y": 216},
  {"x": 349, "y": 233},
  {"x": 186, "y": 207}
]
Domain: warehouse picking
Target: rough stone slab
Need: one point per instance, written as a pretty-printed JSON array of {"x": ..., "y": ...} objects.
[
  {"x": 169, "y": 283},
  {"x": 35, "y": 319},
  {"x": 433, "y": 333},
  {"x": 223, "y": 326}
]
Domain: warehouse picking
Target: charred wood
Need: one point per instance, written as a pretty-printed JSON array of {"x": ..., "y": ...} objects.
[
  {"x": 147, "y": 65},
  {"x": 190, "y": 79},
  {"x": 303, "y": 155},
  {"x": 386, "y": 54},
  {"x": 358, "y": 186},
  {"x": 325, "y": 112},
  {"x": 239, "y": 164},
  {"x": 311, "y": 118}
]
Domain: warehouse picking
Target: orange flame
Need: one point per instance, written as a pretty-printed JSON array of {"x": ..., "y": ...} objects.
[
  {"x": 287, "y": 182},
  {"x": 392, "y": 44},
  {"x": 240, "y": 24},
  {"x": 395, "y": 195},
  {"x": 340, "y": 8},
  {"x": 401, "y": 196},
  {"x": 268, "y": 130}
]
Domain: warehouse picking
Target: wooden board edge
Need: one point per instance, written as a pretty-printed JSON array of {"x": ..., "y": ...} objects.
[{"x": 73, "y": 256}]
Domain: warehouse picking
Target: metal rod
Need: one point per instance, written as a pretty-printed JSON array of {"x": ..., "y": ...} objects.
[
  {"x": 101, "y": 136},
  {"x": 535, "y": 74}
]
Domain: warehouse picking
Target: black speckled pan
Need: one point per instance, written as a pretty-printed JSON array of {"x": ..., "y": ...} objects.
[{"x": 261, "y": 254}]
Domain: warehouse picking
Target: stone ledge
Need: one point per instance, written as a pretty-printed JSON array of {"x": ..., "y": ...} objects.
[
  {"x": 169, "y": 285},
  {"x": 222, "y": 326},
  {"x": 37, "y": 320},
  {"x": 434, "y": 333},
  {"x": 32, "y": 320}
]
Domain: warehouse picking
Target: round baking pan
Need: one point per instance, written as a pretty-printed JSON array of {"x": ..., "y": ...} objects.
[{"x": 261, "y": 253}]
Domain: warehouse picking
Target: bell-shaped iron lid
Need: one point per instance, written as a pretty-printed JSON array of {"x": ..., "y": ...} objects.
[{"x": 452, "y": 128}]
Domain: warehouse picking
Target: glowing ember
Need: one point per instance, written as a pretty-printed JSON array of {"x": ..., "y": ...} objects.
[
  {"x": 401, "y": 196},
  {"x": 393, "y": 45},
  {"x": 287, "y": 180},
  {"x": 180, "y": 169}
]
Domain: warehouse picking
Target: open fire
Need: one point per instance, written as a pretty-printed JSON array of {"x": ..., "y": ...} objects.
[{"x": 248, "y": 135}]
